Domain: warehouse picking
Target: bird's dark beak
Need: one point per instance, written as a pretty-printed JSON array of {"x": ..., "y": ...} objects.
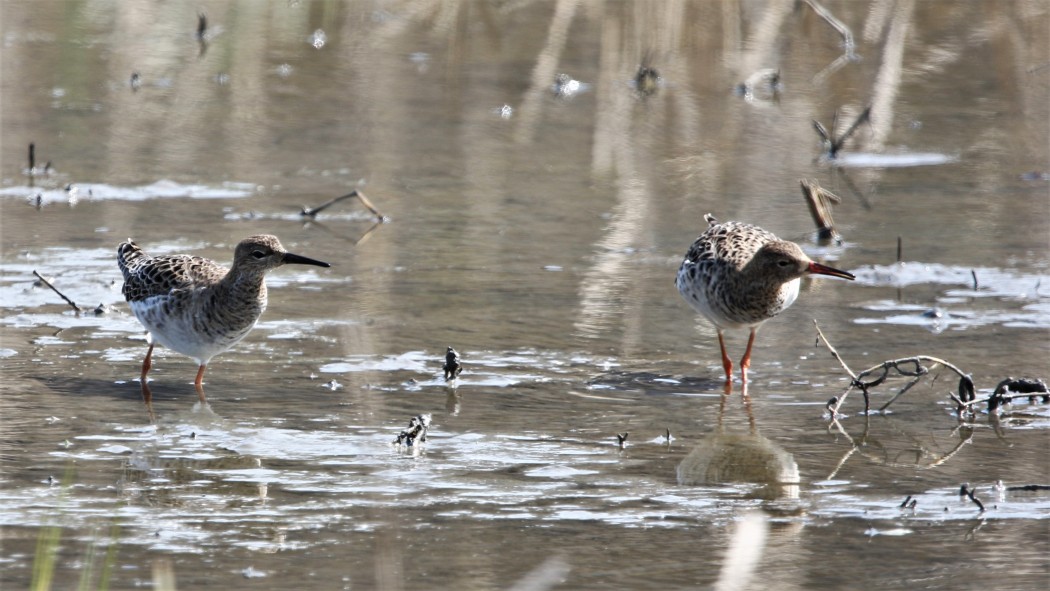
[
  {"x": 818, "y": 269},
  {"x": 294, "y": 259}
]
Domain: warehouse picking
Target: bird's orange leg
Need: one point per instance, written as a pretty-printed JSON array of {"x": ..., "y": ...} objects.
[
  {"x": 147, "y": 394},
  {"x": 745, "y": 363},
  {"x": 147, "y": 363},
  {"x": 727, "y": 363},
  {"x": 199, "y": 384}
]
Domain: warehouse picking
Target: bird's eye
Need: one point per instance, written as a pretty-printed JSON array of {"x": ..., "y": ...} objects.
[
  {"x": 259, "y": 254},
  {"x": 784, "y": 263}
]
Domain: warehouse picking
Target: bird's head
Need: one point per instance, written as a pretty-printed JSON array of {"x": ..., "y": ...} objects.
[{"x": 264, "y": 252}]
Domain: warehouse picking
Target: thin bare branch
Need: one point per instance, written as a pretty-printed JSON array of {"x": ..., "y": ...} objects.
[
  {"x": 311, "y": 212},
  {"x": 854, "y": 382},
  {"x": 60, "y": 294}
]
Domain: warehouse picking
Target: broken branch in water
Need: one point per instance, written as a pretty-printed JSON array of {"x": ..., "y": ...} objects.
[
  {"x": 914, "y": 367},
  {"x": 311, "y": 212},
  {"x": 819, "y": 201},
  {"x": 1011, "y": 388},
  {"x": 835, "y": 144},
  {"x": 965, "y": 491},
  {"x": 60, "y": 294},
  {"x": 1004, "y": 393}
]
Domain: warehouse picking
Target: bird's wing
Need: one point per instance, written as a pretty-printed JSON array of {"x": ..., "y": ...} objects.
[{"x": 146, "y": 276}]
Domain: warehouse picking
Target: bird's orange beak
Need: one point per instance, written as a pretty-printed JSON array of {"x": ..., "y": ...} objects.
[{"x": 818, "y": 269}]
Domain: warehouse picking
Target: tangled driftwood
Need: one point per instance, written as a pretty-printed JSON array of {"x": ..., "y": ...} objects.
[{"x": 918, "y": 366}]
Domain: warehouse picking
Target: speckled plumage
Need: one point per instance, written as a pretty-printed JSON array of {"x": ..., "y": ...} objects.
[
  {"x": 193, "y": 305},
  {"x": 738, "y": 275}
]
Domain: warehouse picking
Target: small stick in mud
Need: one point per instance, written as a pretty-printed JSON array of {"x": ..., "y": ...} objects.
[
  {"x": 900, "y": 249},
  {"x": 32, "y": 158},
  {"x": 311, "y": 212},
  {"x": 621, "y": 439},
  {"x": 974, "y": 275},
  {"x": 60, "y": 294},
  {"x": 819, "y": 201}
]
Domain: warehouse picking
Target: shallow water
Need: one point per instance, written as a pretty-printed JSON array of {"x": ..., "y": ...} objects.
[{"x": 538, "y": 235}]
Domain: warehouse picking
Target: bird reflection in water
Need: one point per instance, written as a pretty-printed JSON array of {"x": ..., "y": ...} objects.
[{"x": 726, "y": 456}]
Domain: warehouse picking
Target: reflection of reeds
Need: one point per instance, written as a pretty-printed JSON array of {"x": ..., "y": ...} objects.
[{"x": 45, "y": 557}]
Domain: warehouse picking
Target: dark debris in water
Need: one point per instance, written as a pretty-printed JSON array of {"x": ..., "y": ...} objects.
[
  {"x": 1010, "y": 388},
  {"x": 416, "y": 432},
  {"x": 452, "y": 367}
]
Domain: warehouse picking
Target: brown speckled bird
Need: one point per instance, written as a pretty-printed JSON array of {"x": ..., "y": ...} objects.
[
  {"x": 193, "y": 305},
  {"x": 738, "y": 276}
]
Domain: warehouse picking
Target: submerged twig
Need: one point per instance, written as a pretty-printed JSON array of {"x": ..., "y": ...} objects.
[
  {"x": 621, "y": 439},
  {"x": 311, "y": 212},
  {"x": 60, "y": 294}
]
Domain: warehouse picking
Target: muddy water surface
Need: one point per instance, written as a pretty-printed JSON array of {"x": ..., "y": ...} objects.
[{"x": 535, "y": 227}]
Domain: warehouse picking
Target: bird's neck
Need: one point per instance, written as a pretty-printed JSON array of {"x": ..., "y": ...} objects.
[
  {"x": 763, "y": 285},
  {"x": 244, "y": 287}
]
